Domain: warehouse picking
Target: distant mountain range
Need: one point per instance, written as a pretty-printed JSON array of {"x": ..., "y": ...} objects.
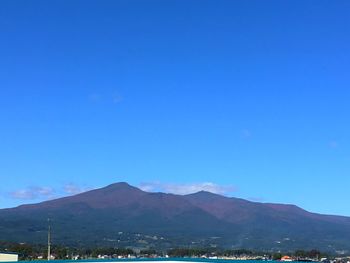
[{"x": 121, "y": 215}]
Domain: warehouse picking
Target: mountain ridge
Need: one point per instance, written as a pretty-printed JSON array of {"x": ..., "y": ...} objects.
[{"x": 95, "y": 216}]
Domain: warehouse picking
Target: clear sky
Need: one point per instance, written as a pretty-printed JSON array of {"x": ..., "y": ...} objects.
[{"x": 246, "y": 98}]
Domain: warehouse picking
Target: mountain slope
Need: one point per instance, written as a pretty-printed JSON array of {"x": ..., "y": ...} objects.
[
  {"x": 122, "y": 215},
  {"x": 265, "y": 224}
]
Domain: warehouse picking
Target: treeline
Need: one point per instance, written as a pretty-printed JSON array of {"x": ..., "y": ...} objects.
[
  {"x": 31, "y": 252},
  {"x": 35, "y": 251},
  {"x": 24, "y": 251}
]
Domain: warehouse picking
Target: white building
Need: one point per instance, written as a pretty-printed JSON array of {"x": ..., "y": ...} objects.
[{"x": 7, "y": 257}]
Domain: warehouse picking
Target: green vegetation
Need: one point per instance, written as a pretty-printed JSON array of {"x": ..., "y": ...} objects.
[
  {"x": 31, "y": 252},
  {"x": 35, "y": 251}
]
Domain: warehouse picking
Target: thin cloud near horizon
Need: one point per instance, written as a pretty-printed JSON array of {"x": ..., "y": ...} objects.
[
  {"x": 189, "y": 188},
  {"x": 33, "y": 193},
  {"x": 42, "y": 193}
]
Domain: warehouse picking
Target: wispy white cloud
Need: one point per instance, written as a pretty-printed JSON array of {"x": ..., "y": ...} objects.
[
  {"x": 246, "y": 134},
  {"x": 116, "y": 98},
  {"x": 149, "y": 187},
  {"x": 105, "y": 98},
  {"x": 94, "y": 97},
  {"x": 256, "y": 199},
  {"x": 23, "y": 194},
  {"x": 73, "y": 189},
  {"x": 333, "y": 144},
  {"x": 47, "y": 193},
  {"x": 190, "y": 188},
  {"x": 32, "y": 193}
]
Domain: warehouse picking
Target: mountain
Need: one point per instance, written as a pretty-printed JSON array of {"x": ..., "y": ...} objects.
[{"x": 123, "y": 215}]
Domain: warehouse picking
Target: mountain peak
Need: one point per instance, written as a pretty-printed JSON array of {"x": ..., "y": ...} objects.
[{"x": 120, "y": 186}]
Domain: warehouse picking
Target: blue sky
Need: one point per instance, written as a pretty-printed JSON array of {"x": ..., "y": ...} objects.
[{"x": 245, "y": 98}]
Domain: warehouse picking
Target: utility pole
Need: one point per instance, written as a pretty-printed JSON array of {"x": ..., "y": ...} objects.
[{"x": 48, "y": 240}]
